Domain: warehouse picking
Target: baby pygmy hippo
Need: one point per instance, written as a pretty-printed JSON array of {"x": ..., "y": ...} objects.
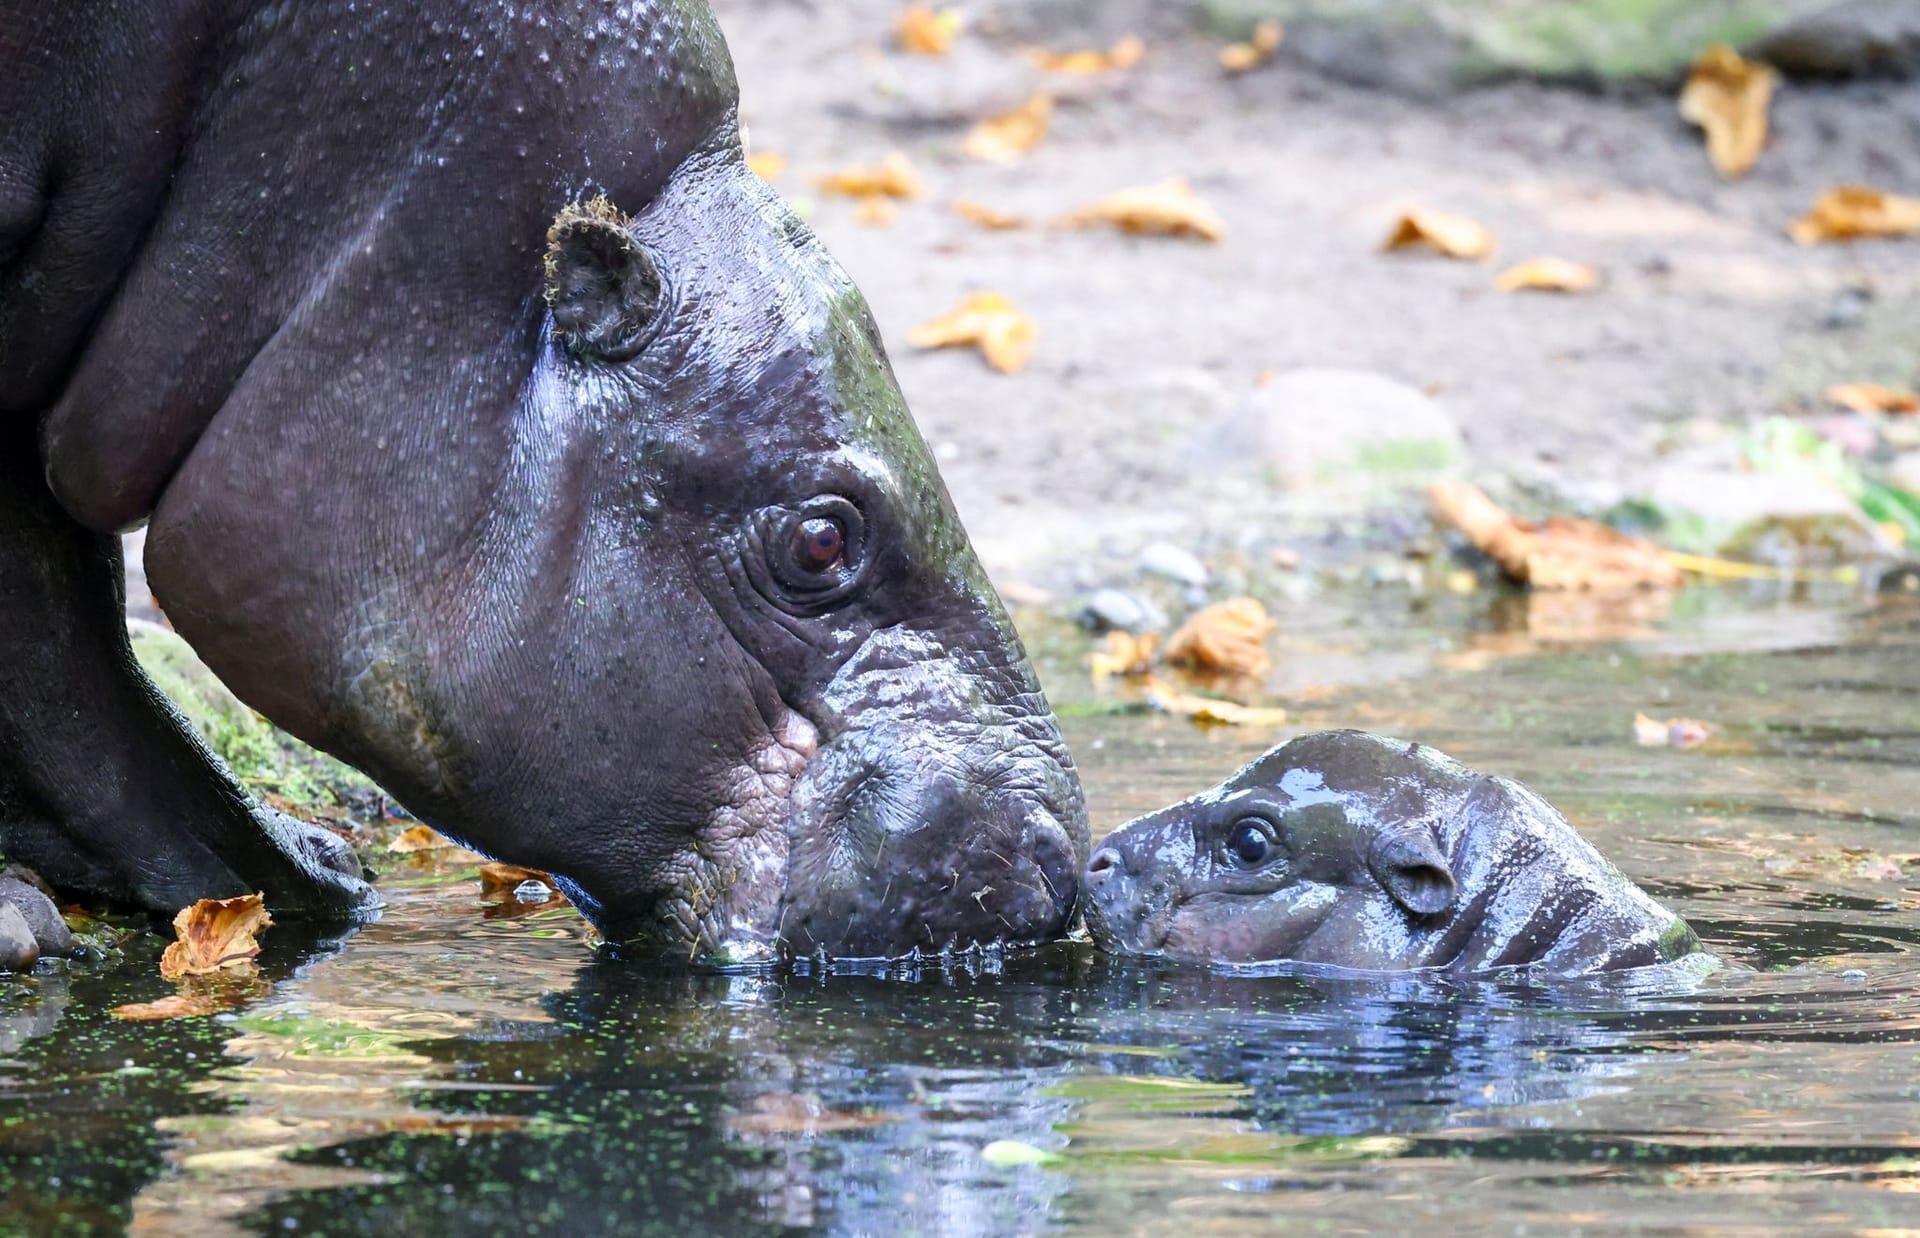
[{"x": 1366, "y": 852}]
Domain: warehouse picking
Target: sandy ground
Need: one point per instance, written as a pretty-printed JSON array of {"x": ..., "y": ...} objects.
[{"x": 1708, "y": 311}]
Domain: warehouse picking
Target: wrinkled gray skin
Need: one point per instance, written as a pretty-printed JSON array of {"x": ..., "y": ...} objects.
[
  {"x": 1360, "y": 851},
  {"x": 493, "y": 490}
]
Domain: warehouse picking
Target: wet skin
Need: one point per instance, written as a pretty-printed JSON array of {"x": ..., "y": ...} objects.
[
  {"x": 500, "y": 433},
  {"x": 1360, "y": 851}
]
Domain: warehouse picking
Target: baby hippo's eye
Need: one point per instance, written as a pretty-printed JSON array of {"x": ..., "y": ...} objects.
[{"x": 1250, "y": 844}]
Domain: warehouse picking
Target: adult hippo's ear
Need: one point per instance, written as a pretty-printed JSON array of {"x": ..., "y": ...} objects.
[
  {"x": 1411, "y": 867},
  {"x": 602, "y": 286}
]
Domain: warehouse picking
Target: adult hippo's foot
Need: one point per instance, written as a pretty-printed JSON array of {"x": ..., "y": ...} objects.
[{"x": 104, "y": 787}]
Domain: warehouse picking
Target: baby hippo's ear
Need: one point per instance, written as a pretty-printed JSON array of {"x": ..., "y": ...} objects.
[
  {"x": 603, "y": 288},
  {"x": 1411, "y": 867}
]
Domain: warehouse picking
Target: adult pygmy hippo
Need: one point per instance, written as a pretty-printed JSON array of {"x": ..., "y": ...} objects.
[
  {"x": 502, "y": 434},
  {"x": 1366, "y": 852}
]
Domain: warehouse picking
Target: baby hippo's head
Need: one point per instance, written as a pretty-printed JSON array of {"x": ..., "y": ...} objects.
[{"x": 1360, "y": 851}]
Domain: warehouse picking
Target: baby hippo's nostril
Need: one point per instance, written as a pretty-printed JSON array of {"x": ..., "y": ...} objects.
[{"x": 1105, "y": 863}]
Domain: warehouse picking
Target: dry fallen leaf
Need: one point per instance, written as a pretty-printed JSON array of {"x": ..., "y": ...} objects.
[
  {"x": 1728, "y": 96},
  {"x": 1006, "y": 137},
  {"x": 420, "y": 838},
  {"x": 1873, "y": 398},
  {"x": 984, "y": 320},
  {"x": 1203, "y": 709},
  {"x": 877, "y": 212},
  {"x": 1456, "y": 236},
  {"x": 1670, "y": 732},
  {"x": 1124, "y": 54},
  {"x": 926, "y": 32},
  {"x": 1560, "y": 553},
  {"x": 892, "y": 177},
  {"x": 1169, "y": 208},
  {"x": 499, "y": 878},
  {"x": 198, "y": 996},
  {"x": 1256, "y": 51},
  {"x": 986, "y": 216},
  {"x": 1549, "y": 275},
  {"x": 768, "y": 165},
  {"x": 1850, "y": 212},
  {"x": 215, "y": 933},
  {"x": 1125, "y": 654},
  {"x": 1227, "y": 636}
]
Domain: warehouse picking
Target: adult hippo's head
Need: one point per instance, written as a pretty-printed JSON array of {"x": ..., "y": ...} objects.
[{"x": 505, "y": 435}]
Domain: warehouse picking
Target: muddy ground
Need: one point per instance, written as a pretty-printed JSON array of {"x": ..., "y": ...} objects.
[{"x": 1710, "y": 318}]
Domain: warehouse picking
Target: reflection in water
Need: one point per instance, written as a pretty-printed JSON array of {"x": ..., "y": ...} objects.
[{"x": 446, "y": 1072}]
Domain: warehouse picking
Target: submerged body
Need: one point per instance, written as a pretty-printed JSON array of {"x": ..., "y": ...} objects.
[
  {"x": 1360, "y": 851},
  {"x": 503, "y": 435}
]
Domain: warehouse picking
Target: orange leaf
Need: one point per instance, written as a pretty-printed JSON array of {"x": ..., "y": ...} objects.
[
  {"x": 1004, "y": 138},
  {"x": 215, "y": 933},
  {"x": 1170, "y": 208},
  {"x": 1548, "y": 275},
  {"x": 984, "y": 320},
  {"x": 1670, "y": 733},
  {"x": 1456, "y": 236},
  {"x": 1204, "y": 709},
  {"x": 1122, "y": 55},
  {"x": 506, "y": 878},
  {"x": 768, "y": 165},
  {"x": 1850, "y": 212},
  {"x": 1728, "y": 96},
  {"x": 1873, "y": 398},
  {"x": 197, "y": 996},
  {"x": 1561, "y": 553},
  {"x": 892, "y": 177},
  {"x": 877, "y": 212},
  {"x": 1227, "y": 636},
  {"x": 986, "y": 216},
  {"x": 1256, "y": 51},
  {"x": 420, "y": 838},
  {"x": 1125, "y": 654},
  {"x": 924, "y": 32}
]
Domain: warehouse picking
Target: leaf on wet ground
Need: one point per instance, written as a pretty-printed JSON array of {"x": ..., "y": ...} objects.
[
  {"x": 926, "y": 31},
  {"x": 1670, "y": 732},
  {"x": 1560, "y": 553},
  {"x": 420, "y": 838},
  {"x": 768, "y": 165},
  {"x": 1854, "y": 212},
  {"x": 1728, "y": 95},
  {"x": 1444, "y": 232},
  {"x": 986, "y": 216},
  {"x": 1168, "y": 208},
  {"x": 984, "y": 320},
  {"x": 1006, "y": 137},
  {"x": 1124, "y": 54},
  {"x": 1228, "y": 636},
  {"x": 215, "y": 934},
  {"x": 1256, "y": 51},
  {"x": 802, "y": 1113},
  {"x": 1206, "y": 709},
  {"x": 893, "y": 177},
  {"x": 198, "y": 997},
  {"x": 1873, "y": 398},
  {"x": 1125, "y": 654},
  {"x": 1548, "y": 275},
  {"x": 497, "y": 878},
  {"x": 1012, "y": 1153}
]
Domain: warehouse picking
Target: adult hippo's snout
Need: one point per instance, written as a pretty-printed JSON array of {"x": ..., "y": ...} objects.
[{"x": 939, "y": 818}]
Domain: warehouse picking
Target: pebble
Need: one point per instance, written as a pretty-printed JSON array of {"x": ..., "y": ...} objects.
[
  {"x": 18, "y": 950},
  {"x": 1848, "y": 307},
  {"x": 1117, "y": 610},
  {"x": 1176, "y": 564},
  {"x": 40, "y": 915}
]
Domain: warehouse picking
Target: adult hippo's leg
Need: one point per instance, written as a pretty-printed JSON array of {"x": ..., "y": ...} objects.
[{"x": 103, "y": 785}]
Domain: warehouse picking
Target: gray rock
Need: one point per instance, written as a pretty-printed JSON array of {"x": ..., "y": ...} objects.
[
  {"x": 1111, "y": 610},
  {"x": 1314, "y": 426},
  {"x": 1847, "y": 309},
  {"x": 1853, "y": 38},
  {"x": 1174, "y": 563},
  {"x": 42, "y": 917},
  {"x": 18, "y": 950}
]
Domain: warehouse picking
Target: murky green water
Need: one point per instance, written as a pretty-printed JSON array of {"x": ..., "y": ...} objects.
[{"x": 440, "y": 1071}]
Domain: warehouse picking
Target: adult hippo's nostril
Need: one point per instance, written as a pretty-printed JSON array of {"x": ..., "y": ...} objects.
[{"x": 1106, "y": 862}]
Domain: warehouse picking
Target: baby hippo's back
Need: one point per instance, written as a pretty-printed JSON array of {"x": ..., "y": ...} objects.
[{"x": 1361, "y": 851}]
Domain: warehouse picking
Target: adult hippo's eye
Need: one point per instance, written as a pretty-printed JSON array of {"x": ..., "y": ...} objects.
[
  {"x": 815, "y": 553},
  {"x": 1250, "y": 843}
]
